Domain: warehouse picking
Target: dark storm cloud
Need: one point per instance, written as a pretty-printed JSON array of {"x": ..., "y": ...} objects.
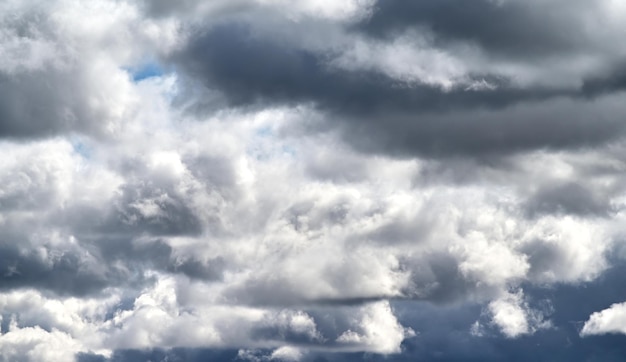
[
  {"x": 611, "y": 81},
  {"x": 250, "y": 70},
  {"x": 502, "y": 28},
  {"x": 378, "y": 114}
]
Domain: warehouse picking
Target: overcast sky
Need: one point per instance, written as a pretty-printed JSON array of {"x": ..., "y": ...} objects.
[{"x": 312, "y": 180}]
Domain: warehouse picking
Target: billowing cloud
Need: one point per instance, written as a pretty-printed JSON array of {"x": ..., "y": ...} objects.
[
  {"x": 323, "y": 180},
  {"x": 610, "y": 320},
  {"x": 424, "y": 89}
]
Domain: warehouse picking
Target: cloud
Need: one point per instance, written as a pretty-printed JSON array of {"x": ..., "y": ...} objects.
[
  {"x": 30, "y": 344},
  {"x": 462, "y": 111},
  {"x": 504, "y": 34},
  {"x": 320, "y": 180},
  {"x": 61, "y": 73},
  {"x": 610, "y": 320},
  {"x": 569, "y": 198},
  {"x": 513, "y": 316}
]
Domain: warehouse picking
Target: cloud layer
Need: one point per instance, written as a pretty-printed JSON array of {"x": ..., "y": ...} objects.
[{"x": 323, "y": 180}]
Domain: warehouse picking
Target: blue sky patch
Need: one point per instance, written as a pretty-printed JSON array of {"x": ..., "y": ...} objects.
[{"x": 146, "y": 70}]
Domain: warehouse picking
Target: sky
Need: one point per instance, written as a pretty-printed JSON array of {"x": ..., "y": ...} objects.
[{"x": 312, "y": 180}]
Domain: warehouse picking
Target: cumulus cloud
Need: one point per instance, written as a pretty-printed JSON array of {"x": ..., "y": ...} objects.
[
  {"x": 610, "y": 320},
  {"x": 63, "y": 66},
  {"x": 513, "y": 316}
]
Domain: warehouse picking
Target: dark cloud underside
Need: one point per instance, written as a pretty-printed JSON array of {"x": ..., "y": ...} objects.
[
  {"x": 503, "y": 28},
  {"x": 381, "y": 114}
]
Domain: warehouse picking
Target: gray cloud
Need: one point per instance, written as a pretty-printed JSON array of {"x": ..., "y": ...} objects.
[
  {"x": 503, "y": 28},
  {"x": 438, "y": 279},
  {"x": 379, "y": 114},
  {"x": 312, "y": 180},
  {"x": 64, "y": 273},
  {"x": 568, "y": 198},
  {"x": 51, "y": 79},
  {"x": 613, "y": 80},
  {"x": 284, "y": 73}
]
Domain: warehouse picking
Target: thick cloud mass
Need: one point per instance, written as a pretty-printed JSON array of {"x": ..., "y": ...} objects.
[
  {"x": 346, "y": 180},
  {"x": 508, "y": 28},
  {"x": 476, "y": 111}
]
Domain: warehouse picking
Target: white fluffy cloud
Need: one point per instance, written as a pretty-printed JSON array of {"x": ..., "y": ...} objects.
[
  {"x": 512, "y": 315},
  {"x": 610, "y": 320}
]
